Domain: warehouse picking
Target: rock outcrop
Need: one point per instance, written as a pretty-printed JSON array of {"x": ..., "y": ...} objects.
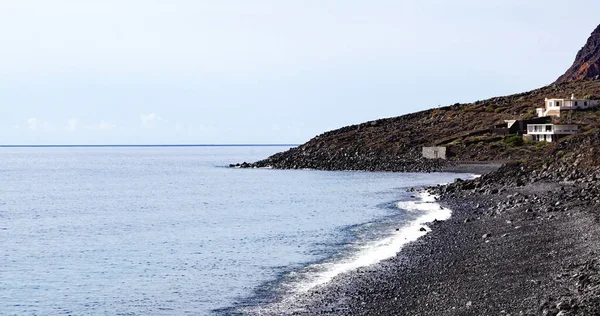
[{"x": 587, "y": 62}]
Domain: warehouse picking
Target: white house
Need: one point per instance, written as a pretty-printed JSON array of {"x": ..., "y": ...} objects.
[
  {"x": 553, "y": 107},
  {"x": 549, "y": 132}
]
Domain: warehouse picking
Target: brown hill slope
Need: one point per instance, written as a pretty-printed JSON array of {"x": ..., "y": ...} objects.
[
  {"x": 587, "y": 61},
  {"x": 394, "y": 144}
]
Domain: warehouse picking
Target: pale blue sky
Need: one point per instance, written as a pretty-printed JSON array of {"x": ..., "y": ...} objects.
[{"x": 264, "y": 71}]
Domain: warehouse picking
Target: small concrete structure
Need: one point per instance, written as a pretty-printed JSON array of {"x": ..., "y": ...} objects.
[
  {"x": 549, "y": 132},
  {"x": 553, "y": 107},
  {"x": 434, "y": 152}
]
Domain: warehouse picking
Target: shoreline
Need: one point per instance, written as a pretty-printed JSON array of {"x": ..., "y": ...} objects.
[
  {"x": 478, "y": 168},
  {"x": 507, "y": 250},
  {"x": 379, "y": 250},
  {"x": 516, "y": 244},
  {"x": 302, "y": 293},
  {"x": 422, "y": 209}
]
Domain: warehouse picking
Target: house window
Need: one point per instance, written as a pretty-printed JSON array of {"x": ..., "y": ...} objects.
[
  {"x": 557, "y": 103},
  {"x": 585, "y": 103},
  {"x": 576, "y": 103},
  {"x": 548, "y": 128}
]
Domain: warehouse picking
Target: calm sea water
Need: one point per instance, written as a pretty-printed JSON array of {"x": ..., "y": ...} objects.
[{"x": 172, "y": 231}]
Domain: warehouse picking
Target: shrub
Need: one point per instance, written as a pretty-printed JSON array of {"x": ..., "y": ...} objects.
[
  {"x": 490, "y": 108},
  {"x": 514, "y": 141},
  {"x": 542, "y": 144},
  {"x": 472, "y": 108}
]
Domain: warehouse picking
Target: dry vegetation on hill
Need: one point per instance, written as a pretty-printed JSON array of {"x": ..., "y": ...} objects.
[
  {"x": 384, "y": 144},
  {"x": 394, "y": 144}
]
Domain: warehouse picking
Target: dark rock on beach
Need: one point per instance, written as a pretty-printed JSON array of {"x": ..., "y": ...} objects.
[
  {"x": 526, "y": 249},
  {"x": 351, "y": 161}
]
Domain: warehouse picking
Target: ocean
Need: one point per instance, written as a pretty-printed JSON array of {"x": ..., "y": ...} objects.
[{"x": 174, "y": 231}]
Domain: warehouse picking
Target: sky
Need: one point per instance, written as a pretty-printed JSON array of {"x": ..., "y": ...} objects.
[{"x": 264, "y": 71}]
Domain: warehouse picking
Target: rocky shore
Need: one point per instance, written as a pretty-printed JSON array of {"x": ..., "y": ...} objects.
[
  {"x": 517, "y": 244},
  {"x": 523, "y": 240},
  {"x": 344, "y": 161}
]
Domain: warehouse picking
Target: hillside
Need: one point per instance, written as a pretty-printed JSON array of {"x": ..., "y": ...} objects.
[{"x": 394, "y": 144}]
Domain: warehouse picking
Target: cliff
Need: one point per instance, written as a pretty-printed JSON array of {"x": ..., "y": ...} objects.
[{"x": 587, "y": 61}]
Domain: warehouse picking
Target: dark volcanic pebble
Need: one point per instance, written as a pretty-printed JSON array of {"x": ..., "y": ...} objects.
[
  {"x": 523, "y": 240},
  {"x": 513, "y": 259}
]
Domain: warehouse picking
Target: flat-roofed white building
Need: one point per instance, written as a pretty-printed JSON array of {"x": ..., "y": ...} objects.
[
  {"x": 549, "y": 132},
  {"x": 553, "y": 107}
]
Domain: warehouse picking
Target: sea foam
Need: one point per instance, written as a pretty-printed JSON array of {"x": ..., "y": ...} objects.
[
  {"x": 374, "y": 252},
  {"x": 368, "y": 254}
]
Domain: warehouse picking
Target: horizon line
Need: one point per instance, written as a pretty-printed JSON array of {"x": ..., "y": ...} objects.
[{"x": 142, "y": 145}]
